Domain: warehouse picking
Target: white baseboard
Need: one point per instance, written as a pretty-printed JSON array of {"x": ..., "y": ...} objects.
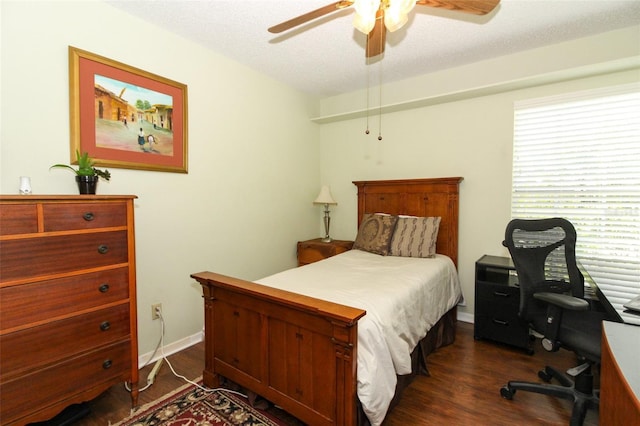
[
  {"x": 170, "y": 349},
  {"x": 465, "y": 317}
]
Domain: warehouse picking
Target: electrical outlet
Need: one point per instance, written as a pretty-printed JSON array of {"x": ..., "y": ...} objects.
[{"x": 154, "y": 311}]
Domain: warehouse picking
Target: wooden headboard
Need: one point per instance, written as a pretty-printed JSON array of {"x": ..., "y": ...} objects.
[{"x": 416, "y": 197}]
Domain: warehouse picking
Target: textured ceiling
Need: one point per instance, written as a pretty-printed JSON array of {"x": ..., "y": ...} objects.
[{"x": 326, "y": 57}]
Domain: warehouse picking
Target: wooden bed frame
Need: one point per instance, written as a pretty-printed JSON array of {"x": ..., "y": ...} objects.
[{"x": 299, "y": 352}]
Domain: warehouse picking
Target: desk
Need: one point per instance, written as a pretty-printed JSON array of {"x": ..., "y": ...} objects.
[
  {"x": 596, "y": 297},
  {"x": 620, "y": 375}
]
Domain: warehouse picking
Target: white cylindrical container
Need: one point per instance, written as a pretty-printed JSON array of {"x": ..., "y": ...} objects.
[{"x": 25, "y": 185}]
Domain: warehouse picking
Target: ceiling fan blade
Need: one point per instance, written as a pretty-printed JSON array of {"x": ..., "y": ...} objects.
[
  {"x": 477, "y": 7},
  {"x": 377, "y": 38},
  {"x": 299, "y": 20}
]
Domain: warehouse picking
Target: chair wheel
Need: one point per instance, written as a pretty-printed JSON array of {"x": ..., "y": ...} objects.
[
  {"x": 544, "y": 375},
  {"x": 506, "y": 392}
]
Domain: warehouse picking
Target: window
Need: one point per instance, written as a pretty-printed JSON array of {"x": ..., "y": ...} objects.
[{"x": 578, "y": 156}]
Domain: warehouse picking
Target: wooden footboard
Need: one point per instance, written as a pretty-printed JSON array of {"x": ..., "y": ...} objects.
[{"x": 296, "y": 351}]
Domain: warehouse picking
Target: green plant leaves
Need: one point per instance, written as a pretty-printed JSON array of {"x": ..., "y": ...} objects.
[{"x": 85, "y": 167}]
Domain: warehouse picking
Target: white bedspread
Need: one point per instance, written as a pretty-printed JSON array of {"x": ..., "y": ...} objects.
[{"x": 404, "y": 297}]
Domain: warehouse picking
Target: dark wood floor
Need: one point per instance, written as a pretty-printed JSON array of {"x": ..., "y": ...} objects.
[{"x": 463, "y": 387}]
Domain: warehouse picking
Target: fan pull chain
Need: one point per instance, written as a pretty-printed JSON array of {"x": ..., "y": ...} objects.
[
  {"x": 380, "y": 92},
  {"x": 380, "y": 99},
  {"x": 366, "y": 132}
]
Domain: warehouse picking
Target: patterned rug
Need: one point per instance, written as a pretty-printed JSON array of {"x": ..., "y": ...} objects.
[{"x": 190, "y": 405}]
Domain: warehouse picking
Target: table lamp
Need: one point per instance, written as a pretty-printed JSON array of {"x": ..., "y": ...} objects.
[{"x": 325, "y": 198}]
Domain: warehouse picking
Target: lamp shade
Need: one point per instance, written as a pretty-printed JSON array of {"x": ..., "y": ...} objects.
[{"x": 325, "y": 196}]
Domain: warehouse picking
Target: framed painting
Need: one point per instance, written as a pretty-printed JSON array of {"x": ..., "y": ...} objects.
[{"x": 125, "y": 117}]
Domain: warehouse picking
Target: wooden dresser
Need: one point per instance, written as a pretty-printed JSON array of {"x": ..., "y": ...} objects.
[
  {"x": 314, "y": 250},
  {"x": 67, "y": 302}
]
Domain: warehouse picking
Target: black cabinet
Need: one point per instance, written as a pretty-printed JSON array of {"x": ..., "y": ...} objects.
[{"x": 497, "y": 302}]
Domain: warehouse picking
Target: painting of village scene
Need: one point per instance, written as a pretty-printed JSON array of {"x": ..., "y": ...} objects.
[
  {"x": 132, "y": 118},
  {"x": 126, "y": 117}
]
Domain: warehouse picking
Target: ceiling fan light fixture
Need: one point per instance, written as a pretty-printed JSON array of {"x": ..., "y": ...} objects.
[
  {"x": 375, "y": 18},
  {"x": 397, "y": 13},
  {"x": 363, "y": 24},
  {"x": 365, "y": 15},
  {"x": 396, "y": 22}
]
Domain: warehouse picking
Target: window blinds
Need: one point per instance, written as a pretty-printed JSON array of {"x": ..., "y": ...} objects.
[{"x": 578, "y": 156}]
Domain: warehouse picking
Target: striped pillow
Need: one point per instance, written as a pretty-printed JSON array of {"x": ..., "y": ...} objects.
[{"x": 415, "y": 237}]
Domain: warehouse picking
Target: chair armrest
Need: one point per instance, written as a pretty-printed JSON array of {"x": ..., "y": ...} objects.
[{"x": 563, "y": 301}]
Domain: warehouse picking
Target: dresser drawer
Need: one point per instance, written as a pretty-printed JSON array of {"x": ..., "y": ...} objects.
[
  {"x": 64, "y": 338},
  {"x": 505, "y": 327},
  {"x": 45, "y": 387},
  {"x": 497, "y": 308},
  {"x": 40, "y": 301},
  {"x": 18, "y": 219},
  {"x": 497, "y": 294},
  {"x": 73, "y": 216},
  {"x": 33, "y": 257}
]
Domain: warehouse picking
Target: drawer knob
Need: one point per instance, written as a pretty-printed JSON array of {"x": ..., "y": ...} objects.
[
  {"x": 104, "y": 288},
  {"x": 105, "y": 326},
  {"x": 88, "y": 216},
  {"x": 500, "y": 294},
  {"x": 102, "y": 248},
  {"x": 500, "y": 322},
  {"x": 107, "y": 364}
]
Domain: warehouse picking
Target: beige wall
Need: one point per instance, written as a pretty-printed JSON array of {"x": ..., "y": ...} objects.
[
  {"x": 460, "y": 123},
  {"x": 253, "y": 154},
  {"x": 256, "y": 160}
]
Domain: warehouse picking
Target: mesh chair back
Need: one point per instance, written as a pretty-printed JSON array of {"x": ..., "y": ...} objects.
[{"x": 543, "y": 253}]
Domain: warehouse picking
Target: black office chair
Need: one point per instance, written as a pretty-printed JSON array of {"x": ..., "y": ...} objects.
[{"x": 552, "y": 302}]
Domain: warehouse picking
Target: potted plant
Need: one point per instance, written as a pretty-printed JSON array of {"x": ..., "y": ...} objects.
[{"x": 86, "y": 175}]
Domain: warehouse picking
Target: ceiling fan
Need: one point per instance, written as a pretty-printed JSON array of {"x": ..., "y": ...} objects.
[{"x": 375, "y": 17}]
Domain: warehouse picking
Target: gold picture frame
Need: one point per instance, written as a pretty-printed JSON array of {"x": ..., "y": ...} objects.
[{"x": 125, "y": 117}]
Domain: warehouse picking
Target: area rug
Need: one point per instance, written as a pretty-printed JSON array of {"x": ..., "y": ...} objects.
[{"x": 190, "y": 405}]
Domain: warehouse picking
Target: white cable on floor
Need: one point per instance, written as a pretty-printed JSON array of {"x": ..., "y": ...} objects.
[
  {"x": 126, "y": 386},
  {"x": 164, "y": 357}
]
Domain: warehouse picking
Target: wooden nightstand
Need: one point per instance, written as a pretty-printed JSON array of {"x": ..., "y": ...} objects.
[{"x": 313, "y": 250}]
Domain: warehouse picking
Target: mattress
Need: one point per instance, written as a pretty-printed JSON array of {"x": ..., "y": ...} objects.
[{"x": 403, "y": 297}]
